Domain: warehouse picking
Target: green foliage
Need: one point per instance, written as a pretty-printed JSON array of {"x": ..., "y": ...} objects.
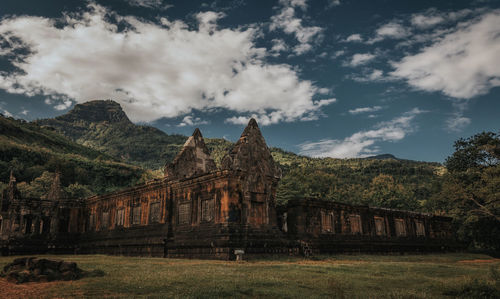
[
  {"x": 390, "y": 183},
  {"x": 471, "y": 189},
  {"x": 35, "y": 154},
  {"x": 78, "y": 191},
  {"x": 37, "y": 188},
  {"x": 218, "y": 148}
]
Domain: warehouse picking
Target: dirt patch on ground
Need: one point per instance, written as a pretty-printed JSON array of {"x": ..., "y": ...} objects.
[
  {"x": 27, "y": 290},
  {"x": 480, "y": 261},
  {"x": 42, "y": 290}
]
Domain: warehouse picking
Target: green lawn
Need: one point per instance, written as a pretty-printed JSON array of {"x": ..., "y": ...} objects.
[{"x": 349, "y": 276}]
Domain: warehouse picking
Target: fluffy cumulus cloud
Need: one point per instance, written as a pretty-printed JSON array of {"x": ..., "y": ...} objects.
[
  {"x": 154, "y": 70},
  {"x": 360, "y": 59},
  {"x": 354, "y": 38},
  {"x": 363, "y": 143},
  {"x": 279, "y": 45},
  {"x": 288, "y": 21},
  {"x": 462, "y": 64},
  {"x": 392, "y": 30},
  {"x": 277, "y": 116},
  {"x": 190, "y": 121}
]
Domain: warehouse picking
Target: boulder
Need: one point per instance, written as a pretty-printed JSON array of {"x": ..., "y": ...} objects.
[{"x": 29, "y": 269}]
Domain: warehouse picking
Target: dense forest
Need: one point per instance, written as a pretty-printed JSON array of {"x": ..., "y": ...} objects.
[
  {"x": 34, "y": 154},
  {"x": 391, "y": 183},
  {"x": 98, "y": 150}
]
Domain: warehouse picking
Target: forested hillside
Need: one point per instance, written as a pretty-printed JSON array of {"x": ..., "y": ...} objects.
[
  {"x": 391, "y": 183},
  {"x": 104, "y": 126},
  {"x": 34, "y": 154}
]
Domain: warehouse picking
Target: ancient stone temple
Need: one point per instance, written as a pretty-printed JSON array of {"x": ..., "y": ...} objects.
[{"x": 197, "y": 210}]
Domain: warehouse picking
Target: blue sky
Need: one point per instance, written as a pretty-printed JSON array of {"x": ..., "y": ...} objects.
[{"x": 324, "y": 78}]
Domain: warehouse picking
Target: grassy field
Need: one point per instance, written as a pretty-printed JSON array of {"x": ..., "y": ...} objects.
[{"x": 341, "y": 276}]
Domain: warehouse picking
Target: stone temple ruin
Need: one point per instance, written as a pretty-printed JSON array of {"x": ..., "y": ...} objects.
[{"x": 200, "y": 211}]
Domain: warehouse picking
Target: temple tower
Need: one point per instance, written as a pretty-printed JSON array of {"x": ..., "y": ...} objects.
[
  {"x": 193, "y": 159},
  {"x": 259, "y": 174}
]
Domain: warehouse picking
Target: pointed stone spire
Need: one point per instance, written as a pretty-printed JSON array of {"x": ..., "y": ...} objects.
[
  {"x": 193, "y": 159},
  {"x": 251, "y": 154},
  {"x": 56, "y": 192}
]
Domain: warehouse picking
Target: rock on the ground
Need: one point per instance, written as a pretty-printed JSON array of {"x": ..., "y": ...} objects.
[{"x": 29, "y": 269}]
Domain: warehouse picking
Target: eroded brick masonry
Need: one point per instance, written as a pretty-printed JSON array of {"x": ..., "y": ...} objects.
[{"x": 198, "y": 210}]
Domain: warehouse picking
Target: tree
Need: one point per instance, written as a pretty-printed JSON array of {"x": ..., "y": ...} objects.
[
  {"x": 77, "y": 190},
  {"x": 38, "y": 188},
  {"x": 471, "y": 189}
]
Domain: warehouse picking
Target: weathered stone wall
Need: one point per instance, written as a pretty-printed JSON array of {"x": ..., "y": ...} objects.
[{"x": 335, "y": 227}]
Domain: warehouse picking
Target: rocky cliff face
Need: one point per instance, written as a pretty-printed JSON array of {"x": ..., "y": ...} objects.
[
  {"x": 104, "y": 126},
  {"x": 96, "y": 111}
]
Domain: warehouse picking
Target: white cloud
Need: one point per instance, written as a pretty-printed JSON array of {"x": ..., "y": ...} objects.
[
  {"x": 149, "y": 4},
  {"x": 363, "y": 143},
  {"x": 276, "y": 116},
  {"x": 360, "y": 59},
  {"x": 63, "y": 105},
  {"x": 354, "y": 38},
  {"x": 462, "y": 64},
  {"x": 457, "y": 123},
  {"x": 432, "y": 17},
  {"x": 338, "y": 54},
  {"x": 189, "y": 120},
  {"x": 365, "y": 109},
  {"x": 333, "y": 3},
  {"x": 287, "y": 20},
  {"x": 426, "y": 21},
  {"x": 392, "y": 30},
  {"x": 153, "y": 70},
  {"x": 24, "y": 112},
  {"x": 279, "y": 45},
  {"x": 6, "y": 113},
  {"x": 370, "y": 76}
]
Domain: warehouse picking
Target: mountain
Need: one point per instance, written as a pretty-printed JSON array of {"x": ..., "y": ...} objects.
[
  {"x": 104, "y": 126},
  {"x": 35, "y": 153},
  {"x": 382, "y": 180}
]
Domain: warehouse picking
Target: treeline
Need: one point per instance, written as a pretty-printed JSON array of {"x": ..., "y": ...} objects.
[
  {"x": 471, "y": 190},
  {"x": 391, "y": 183}
]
